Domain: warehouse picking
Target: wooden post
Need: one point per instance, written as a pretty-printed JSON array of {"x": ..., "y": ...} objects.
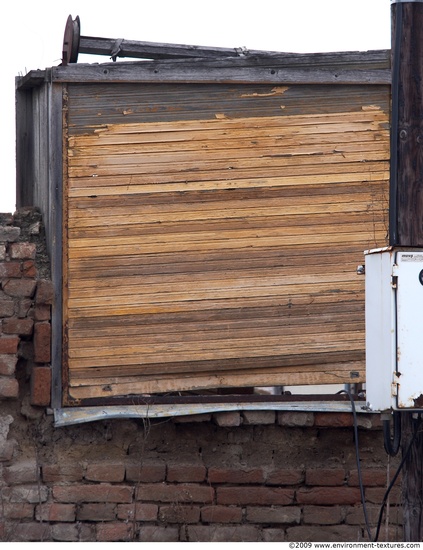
[
  {"x": 406, "y": 200},
  {"x": 406, "y": 203}
]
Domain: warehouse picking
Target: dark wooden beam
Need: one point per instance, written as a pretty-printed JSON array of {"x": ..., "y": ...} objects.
[
  {"x": 406, "y": 209},
  {"x": 372, "y": 67},
  {"x": 155, "y": 50},
  {"x": 333, "y": 68}
]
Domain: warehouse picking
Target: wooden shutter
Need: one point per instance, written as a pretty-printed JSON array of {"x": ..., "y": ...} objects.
[{"x": 212, "y": 234}]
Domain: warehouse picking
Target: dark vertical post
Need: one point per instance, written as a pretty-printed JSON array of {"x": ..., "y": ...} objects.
[
  {"x": 406, "y": 205},
  {"x": 406, "y": 200}
]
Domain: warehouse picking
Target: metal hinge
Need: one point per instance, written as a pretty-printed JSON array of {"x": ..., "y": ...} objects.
[{"x": 394, "y": 385}]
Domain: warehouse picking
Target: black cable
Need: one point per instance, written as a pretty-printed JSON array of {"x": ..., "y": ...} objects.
[
  {"x": 357, "y": 457},
  {"x": 397, "y": 473},
  {"x": 392, "y": 445}
]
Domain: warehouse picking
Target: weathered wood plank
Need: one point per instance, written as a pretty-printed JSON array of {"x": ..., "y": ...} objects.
[
  {"x": 93, "y": 210},
  {"x": 302, "y": 296},
  {"x": 339, "y": 374},
  {"x": 229, "y": 70}
]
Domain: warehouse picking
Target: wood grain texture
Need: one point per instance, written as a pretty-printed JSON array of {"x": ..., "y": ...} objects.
[{"x": 214, "y": 243}]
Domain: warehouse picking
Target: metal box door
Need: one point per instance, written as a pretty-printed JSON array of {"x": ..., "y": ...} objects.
[{"x": 408, "y": 276}]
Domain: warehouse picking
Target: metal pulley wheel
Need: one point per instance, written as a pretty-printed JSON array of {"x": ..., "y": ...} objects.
[{"x": 71, "y": 40}]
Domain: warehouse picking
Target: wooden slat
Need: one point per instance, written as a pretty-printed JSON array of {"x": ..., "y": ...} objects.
[{"x": 339, "y": 373}]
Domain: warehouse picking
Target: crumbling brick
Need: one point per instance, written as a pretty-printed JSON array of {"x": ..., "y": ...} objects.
[
  {"x": 42, "y": 342},
  {"x": 40, "y": 386},
  {"x": 22, "y": 251}
]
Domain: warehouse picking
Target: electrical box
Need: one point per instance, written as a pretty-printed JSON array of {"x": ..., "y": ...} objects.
[{"x": 394, "y": 328}]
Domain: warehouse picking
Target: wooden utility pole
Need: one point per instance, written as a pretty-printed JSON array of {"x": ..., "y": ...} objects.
[{"x": 406, "y": 204}]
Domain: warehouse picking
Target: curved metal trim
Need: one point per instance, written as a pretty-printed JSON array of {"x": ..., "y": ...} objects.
[{"x": 80, "y": 415}]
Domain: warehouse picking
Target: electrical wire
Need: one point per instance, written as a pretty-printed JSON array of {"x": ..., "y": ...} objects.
[
  {"x": 360, "y": 478},
  {"x": 357, "y": 457},
  {"x": 392, "y": 445},
  {"x": 397, "y": 473}
]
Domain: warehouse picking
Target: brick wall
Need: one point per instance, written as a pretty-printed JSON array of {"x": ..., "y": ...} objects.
[{"x": 251, "y": 476}]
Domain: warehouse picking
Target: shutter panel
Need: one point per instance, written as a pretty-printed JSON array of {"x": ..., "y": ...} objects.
[{"x": 213, "y": 233}]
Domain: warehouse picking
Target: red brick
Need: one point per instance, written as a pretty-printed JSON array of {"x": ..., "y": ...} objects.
[
  {"x": 45, "y": 292},
  {"x": 192, "y": 418},
  {"x": 7, "y": 308},
  {"x": 229, "y": 419},
  {"x": 355, "y": 516},
  {"x": 238, "y": 475},
  {"x": 333, "y": 420},
  {"x": 254, "y": 495},
  {"x": 10, "y": 269},
  {"x": 329, "y": 533},
  {"x": 295, "y": 419},
  {"x": 259, "y": 417},
  {"x": 13, "y": 325},
  {"x": 19, "y": 288},
  {"x": 73, "y": 532},
  {"x": 92, "y": 493},
  {"x": 22, "y": 251},
  {"x": 29, "y": 269},
  {"x": 270, "y": 514},
  {"x": 328, "y": 495},
  {"x": 42, "y": 312},
  {"x": 18, "y": 510},
  {"x": 26, "y": 471},
  {"x": 56, "y": 512},
  {"x": 9, "y": 344},
  {"x": 179, "y": 513},
  {"x": 221, "y": 514},
  {"x": 371, "y": 477},
  {"x": 153, "y": 533},
  {"x": 322, "y": 515},
  {"x": 114, "y": 532},
  {"x": 395, "y": 533},
  {"x": 7, "y": 364},
  {"x": 375, "y": 495},
  {"x": 285, "y": 476},
  {"x": 137, "y": 512},
  {"x": 186, "y": 472},
  {"x": 30, "y": 532},
  {"x": 325, "y": 476},
  {"x": 42, "y": 342},
  {"x": 9, "y": 387},
  {"x": 105, "y": 472},
  {"x": 40, "y": 386},
  {"x": 24, "y": 307},
  {"x": 96, "y": 512},
  {"x": 161, "y": 492},
  {"x": 145, "y": 471},
  {"x": 34, "y": 494},
  {"x": 223, "y": 533},
  {"x": 273, "y": 535},
  {"x": 54, "y": 473}
]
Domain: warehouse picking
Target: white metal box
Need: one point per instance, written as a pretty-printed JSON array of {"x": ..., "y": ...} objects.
[{"x": 394, "y": 328}]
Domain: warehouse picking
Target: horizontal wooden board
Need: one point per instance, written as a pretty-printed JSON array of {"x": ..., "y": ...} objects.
[{"x": 213, "y": 240}]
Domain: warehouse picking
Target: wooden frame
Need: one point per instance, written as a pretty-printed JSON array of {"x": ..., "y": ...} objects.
[{"x": 316, "y": 69}]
